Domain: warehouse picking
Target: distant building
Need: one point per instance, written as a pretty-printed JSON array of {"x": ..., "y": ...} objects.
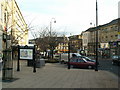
[
  {"x": 107, "y": 34},
  {"x": 62, "y": 45},
  {"x": 75, "y": 43},
  {"x": 85, "y": 40}
]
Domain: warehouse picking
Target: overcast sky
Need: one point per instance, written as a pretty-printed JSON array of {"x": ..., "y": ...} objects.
[{"x": 72, "y": 16}]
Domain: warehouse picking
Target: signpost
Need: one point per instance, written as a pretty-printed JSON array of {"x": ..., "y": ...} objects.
[{"x": 26, "y": 53}]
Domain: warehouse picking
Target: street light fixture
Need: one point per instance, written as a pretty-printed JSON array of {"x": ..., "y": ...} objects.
[{"x": 51, "y": 24}]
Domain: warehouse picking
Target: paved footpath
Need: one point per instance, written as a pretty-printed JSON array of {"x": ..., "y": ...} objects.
[{"x": 58, "y": 76}]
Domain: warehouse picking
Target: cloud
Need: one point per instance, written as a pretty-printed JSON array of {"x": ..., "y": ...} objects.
[{"x": 72, "y": 16}]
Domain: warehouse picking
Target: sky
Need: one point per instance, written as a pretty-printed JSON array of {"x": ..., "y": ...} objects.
[{"x": 72, "y": 16}]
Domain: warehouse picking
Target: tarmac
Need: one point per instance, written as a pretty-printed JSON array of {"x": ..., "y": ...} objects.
[{"x": 56, "y": 75}]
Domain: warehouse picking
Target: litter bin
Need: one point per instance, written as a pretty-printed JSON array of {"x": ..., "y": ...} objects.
[
  {"x": 38, "y": 64},
  {"x": 42, "y": 62}
]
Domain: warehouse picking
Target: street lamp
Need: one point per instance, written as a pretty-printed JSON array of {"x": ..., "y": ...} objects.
[
  {"x": 51, "y": 30},
  {"x": 93, "y": 40},
  {"x": 68, "y": 53},
  {"x": 96, "y": 66}
]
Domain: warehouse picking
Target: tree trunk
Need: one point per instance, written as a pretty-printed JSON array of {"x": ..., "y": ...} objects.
[{"x": 52, "y": 53}]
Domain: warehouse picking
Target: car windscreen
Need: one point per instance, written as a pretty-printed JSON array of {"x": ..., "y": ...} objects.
[
  {"x": 116, "y": 57},
  {"x": 84, "y": 59}
]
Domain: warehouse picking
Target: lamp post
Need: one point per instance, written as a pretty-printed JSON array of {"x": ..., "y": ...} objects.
[
  {"x": 50, "y": 31},
  {"x": 93, "y": 39},
  {"x": 96, "y": 66},
  {"x": 68, "y": 53},
  {"x": 51, "y": 24}
]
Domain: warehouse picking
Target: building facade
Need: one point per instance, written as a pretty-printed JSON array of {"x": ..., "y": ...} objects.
[
  {"x": 75, "y": 43},
  {"x": 13, "y": 23},
  {"x": 62, "y": 45},
  {"x": 85, "y": 40},
  {"x": 107, "y": 34}
]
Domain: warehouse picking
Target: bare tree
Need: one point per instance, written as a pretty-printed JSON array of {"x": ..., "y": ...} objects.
[{"x": 47, "y": 40}]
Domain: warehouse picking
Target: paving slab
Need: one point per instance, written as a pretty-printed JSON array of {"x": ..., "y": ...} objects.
[{"x": 58, "y": 76}]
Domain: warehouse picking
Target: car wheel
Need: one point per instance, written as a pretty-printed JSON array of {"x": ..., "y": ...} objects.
[
  {"x": 113, "y": 63},
  {"x": 89, "y": 67},
  {"x": 71, "y": 66}
]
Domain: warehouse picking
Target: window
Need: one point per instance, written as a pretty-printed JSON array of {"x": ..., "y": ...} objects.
[
  {"x": 1, "y": 12},
  {"x": 116, "y": 28},
  {"x": 116, "y": 35},
  {"x": 73, "y": 60},
  {"x": 5, "y": 17},
  {"x": 80, "y": 60}
]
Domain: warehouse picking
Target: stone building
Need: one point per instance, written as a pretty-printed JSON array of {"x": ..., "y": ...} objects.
[
  {"x": 13, "y": 23},
  {"x": 75, "y": 43},
  {"x": 107, "y": 36},
  {"x": 13, "y": 32}
]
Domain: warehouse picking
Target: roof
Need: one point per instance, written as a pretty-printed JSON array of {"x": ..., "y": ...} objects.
[{"x": 110, "y": 23}]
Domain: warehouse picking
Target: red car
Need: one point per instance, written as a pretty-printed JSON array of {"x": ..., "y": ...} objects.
[{"x": 81, "y": 62}]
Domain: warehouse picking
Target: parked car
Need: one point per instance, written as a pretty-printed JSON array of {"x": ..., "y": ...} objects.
[
  {"x": 81, "y": 62},
  {"x": 116, "y": 60}
]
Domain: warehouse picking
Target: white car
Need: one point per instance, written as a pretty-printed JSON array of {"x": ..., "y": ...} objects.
[
  {"x": 1, "y": 60},
  {"x": 64, "y": 56},
  {"x": 1, "y": 63}
]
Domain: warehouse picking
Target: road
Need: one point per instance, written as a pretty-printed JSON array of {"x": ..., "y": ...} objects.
[{"x": 106, "y": 65}]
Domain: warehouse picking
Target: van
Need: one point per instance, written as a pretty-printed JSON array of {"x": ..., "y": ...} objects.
[
  {"x": 57, "y": 56},
  {"x": 64, "y": 56}
]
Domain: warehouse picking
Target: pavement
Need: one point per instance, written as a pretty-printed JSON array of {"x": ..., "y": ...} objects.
[{"x": 56, "y": 75}]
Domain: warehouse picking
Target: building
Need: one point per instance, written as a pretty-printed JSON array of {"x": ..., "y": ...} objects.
[
  {"x": 62, "y": 45},
  {"x": 13, "y": 23},
  {"x": 1, "y": 32},
  {"x": 13, "y": 32},
  {"x": 75, "y": 43},
  {"x": 85, "y": 40},
  {"x": 107, "y": 34}
]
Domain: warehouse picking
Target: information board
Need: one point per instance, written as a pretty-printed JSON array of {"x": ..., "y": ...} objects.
[{"x": 26, "y": 54}]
